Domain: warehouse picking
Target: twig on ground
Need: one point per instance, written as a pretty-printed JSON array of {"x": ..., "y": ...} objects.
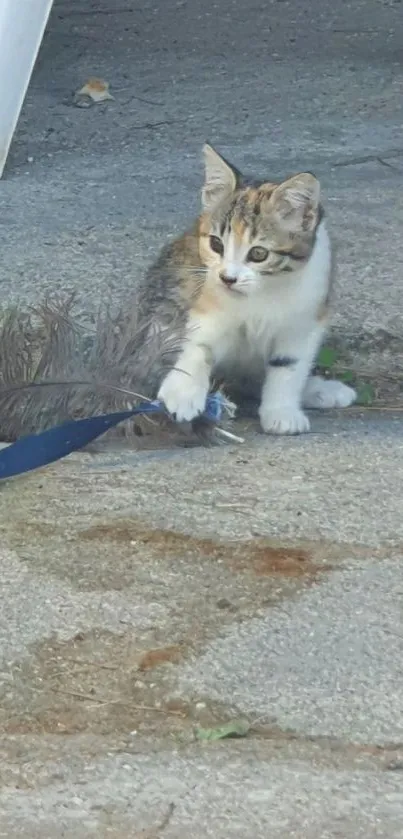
[
  {"x": 104, "y": 701},
  {"x": 77, "y": 695},
  {"x": 85, "y": 663}
]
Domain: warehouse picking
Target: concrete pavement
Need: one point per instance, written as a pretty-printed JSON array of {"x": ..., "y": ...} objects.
[{"x": 145, "y": 594}]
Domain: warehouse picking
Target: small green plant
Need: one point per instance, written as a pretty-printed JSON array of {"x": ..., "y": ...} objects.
[
  {"x": 347, "y": 376},
  {"x": 329, "y": 363},
  {"x": 327, "y": 358},
  {"x": 365, "y": 393}
]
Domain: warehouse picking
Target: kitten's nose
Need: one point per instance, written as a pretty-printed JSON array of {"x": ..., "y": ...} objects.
[{"x": 226, "y": 279}]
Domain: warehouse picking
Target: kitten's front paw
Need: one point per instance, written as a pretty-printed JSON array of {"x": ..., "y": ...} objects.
[
  {"x": 184, "y": 396},
  {"x": 283, "y": 420},
  {"x": 327, "y": 393}
]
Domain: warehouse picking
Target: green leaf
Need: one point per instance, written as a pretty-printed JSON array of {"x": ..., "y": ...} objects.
[
  {"x": 327, "y": 357},
  {"x": 347, "y": 376},
  {"x": 365, "y": 393},
  {"x": 236, "y": 728}
]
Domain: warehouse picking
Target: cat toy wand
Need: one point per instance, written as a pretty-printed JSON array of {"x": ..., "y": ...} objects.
[{"x": 37, "y": 450}]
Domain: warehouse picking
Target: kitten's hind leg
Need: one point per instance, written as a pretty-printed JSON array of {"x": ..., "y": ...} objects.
[{"x": 327, "y": 393}]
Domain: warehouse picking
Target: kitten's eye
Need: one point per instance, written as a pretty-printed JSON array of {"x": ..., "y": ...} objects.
[
  {"x": 216, "y": 245},
  {"x": 257, "y": 254}
]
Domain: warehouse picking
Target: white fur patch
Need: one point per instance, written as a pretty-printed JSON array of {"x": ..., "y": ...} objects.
[
  {"x": 184, "y": 396},
  {"x": 327, "y": 393},
  {"x": 283, "y": 420}
]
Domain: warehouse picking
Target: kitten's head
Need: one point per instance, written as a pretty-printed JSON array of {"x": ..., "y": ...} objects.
[{"x": 252, "y": 231}]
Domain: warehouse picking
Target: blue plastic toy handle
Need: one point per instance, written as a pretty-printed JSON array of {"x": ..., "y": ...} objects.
[{"x": 38, "y": 450}]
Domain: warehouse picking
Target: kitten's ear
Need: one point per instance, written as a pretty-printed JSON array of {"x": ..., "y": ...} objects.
[
  {"x": 220, "y": 178},
  {"x": 296, "y": 202}
]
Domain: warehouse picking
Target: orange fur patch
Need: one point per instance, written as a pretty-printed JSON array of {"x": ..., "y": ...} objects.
[
  {"x": 238, "y": 227},
  {"x": 323, "y": 312},
  {"x": 208, "y": 301}
]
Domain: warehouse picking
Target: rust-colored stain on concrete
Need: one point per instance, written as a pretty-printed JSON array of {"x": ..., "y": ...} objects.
[
  {"x": 161, "y": 655},
  {"x": 287, "y": 561},
  {"x": 256, "y": 556}
]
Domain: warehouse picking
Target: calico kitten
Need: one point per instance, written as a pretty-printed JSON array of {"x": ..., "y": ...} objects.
[{"x": 249, "y": 287}]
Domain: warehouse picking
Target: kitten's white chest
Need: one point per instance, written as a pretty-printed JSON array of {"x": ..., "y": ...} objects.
[
  {"x": 259, "y": 320},
  {"x": 247, "y": 345}
]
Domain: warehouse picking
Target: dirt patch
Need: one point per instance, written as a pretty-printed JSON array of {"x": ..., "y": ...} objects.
[
  {"x": 257, "y": 556},
  {"x": 177, "y": 569},
  {"x": 287, "y": 562},
  {"x": 116, "y": 686},
  {"x": 154, "y": 658},
  {"x": 96, "y": 683}
]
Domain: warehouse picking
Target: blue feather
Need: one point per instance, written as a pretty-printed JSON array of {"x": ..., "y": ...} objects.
[{"x": 38, "y": 450}]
